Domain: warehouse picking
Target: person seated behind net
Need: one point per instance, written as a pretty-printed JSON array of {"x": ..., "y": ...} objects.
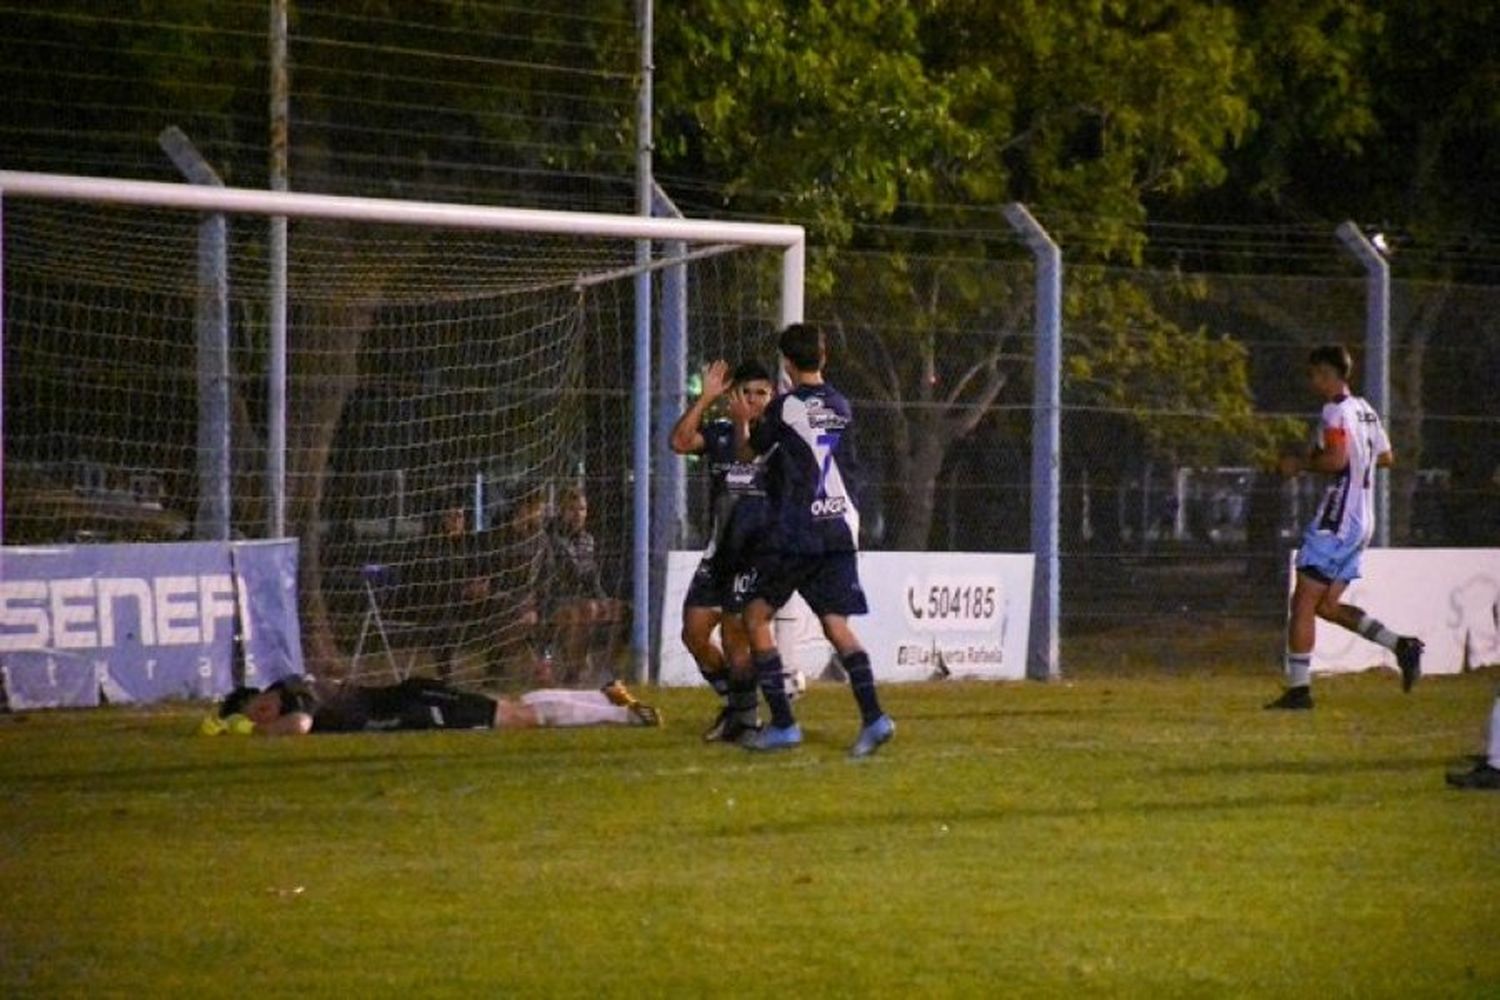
[
  {"x": 580, "y": 609},
  {"x": 450, "y": 587},
  {"x": 523, "y": 572},
  {"x": 294, "y": 707}
]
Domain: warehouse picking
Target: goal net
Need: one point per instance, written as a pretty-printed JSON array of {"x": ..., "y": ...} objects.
[{"x": 459, "y": 405}]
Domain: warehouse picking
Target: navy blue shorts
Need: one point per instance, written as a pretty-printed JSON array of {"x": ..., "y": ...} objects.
[
  {"x": 714, "y": 586},
  {"x": 829, "y": 583},
  {"x": 708, "y": 588}
]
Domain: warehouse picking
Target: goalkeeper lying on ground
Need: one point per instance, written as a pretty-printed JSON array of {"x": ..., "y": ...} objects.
[{"x": 295, "y": 706}]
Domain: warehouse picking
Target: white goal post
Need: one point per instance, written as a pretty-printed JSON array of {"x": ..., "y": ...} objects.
[{"x": 211, "y": 201}]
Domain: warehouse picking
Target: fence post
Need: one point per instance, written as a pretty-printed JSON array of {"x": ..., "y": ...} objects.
[
  {"x": 1377, "y": 354},
  {"x": 1046, "y": 443},
  {"x": 670, "y": 484},
  {"x": 640, "y": 466},
  {"x": 211, "y": 318},
  {"x": 2, "y": 368},
  {"x": 280, "y": 115}
]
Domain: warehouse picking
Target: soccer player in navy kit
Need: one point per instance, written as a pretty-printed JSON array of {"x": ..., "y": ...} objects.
[
  {"x": 812, "y": 540},
  {"x": 737, "y": 514}
]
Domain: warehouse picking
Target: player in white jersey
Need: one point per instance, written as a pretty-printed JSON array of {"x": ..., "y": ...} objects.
[
  {"x": 1485, "y": 774},
  {"x": 1351, "y": 445}
]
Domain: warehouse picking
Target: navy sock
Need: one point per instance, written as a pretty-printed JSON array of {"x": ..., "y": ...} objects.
[
  {"x": 773, "y": 686},
  {"x": 743, "y": 695},
  {"x": 718, "y": 680},
  {"x": 862, "y": 681}
]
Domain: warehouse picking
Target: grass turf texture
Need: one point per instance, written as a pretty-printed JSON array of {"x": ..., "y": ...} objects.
[{"x": 1126, "y": 836}]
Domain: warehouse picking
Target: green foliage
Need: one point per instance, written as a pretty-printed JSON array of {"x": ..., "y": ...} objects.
[
  {"x": 880, "y": 124},
  {"x": 844, "y": 111},
  {"x": 1186, "y": 390},
  {"x": 1124, "y": 837}
]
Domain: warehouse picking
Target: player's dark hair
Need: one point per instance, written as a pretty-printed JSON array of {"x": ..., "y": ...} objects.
[
  {"x": 235, "y": 701},
  {"x": 802, "y": 346},
  {"x": 751, "y": 370},
  {"x": 1335, "y": 356}
]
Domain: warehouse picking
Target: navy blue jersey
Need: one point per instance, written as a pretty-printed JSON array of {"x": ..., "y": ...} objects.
[
  {"x": 805, "y": 438},
  {"x": 730, "y": 481}
]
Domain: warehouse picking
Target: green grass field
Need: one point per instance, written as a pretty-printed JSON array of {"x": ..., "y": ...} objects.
[{"x": 1124, "y": 837}]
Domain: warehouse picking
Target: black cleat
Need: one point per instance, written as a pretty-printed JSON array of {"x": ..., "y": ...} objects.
[
  {"x": 715, "y": 732},
  {"x": 1480, "y": 776},
  {"x": 730, "y": 727},
  {"x": 1409, "y": 658},
  {"x": 1293, "y": 698},
  {"x": 740, "y": 730}
]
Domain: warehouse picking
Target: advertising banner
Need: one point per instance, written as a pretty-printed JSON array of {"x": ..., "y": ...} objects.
[
  {"x": 932, "y": 614},
  {"x": 145, "y": 622},
  {"x": 1449, "y": 598}
]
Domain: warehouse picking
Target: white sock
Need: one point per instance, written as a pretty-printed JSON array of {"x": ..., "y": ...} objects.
[
  {"x": 1376, "y": 632},
  {"x": 1298, "y": 669},
  {"x": 558, "y": 707},
  {"x": 1494, "y": 748}
]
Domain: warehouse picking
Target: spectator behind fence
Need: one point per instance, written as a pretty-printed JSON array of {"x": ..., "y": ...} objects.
[
  {"x": 583, "y": 613},
  {"x": 522, "y": 583},
  {"x": 451, "y": 587}
]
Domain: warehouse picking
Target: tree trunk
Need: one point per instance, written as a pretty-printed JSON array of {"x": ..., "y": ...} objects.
[
  {"x": 323, "y": 373},
  {"x": 917, "y": 470},
  {"x": 1407, "y": 389}
]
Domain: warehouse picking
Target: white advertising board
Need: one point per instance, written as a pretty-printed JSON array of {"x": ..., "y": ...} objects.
[
  {"x": 969, "y": 612},
  {"x": 1449, "y": 598}
]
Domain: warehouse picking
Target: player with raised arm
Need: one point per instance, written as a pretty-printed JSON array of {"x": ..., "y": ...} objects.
[
  {"x": 737, "y": 511},
  {"x": 811, "y": 545},
  {"x": 1351, "y": 445}
]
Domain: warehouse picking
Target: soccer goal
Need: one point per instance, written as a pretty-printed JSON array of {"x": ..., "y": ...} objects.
[{"x": 458, "y": 384}]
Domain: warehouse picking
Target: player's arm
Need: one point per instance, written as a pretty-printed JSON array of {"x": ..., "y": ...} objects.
[
  {"x": 752, "y": 441},
  {"x": 1330, "y": 454},
  {"x": 1385, "y": 460},
  {"x": 739, "y": 415},
  {"x": 687, "y": 433}
]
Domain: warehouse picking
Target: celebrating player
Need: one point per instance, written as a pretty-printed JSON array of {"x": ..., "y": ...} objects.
[
  {"x": 1351, "y": 445},
  {"x": 737, "y": 514},
  {"x": 295, "y": 707},
  {"x": 812, "y": 540}
]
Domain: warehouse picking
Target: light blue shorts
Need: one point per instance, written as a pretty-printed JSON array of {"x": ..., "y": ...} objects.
[{"x": 1328, "y": 559}]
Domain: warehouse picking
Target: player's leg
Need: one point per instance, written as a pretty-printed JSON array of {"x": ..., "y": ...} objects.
[
  {"x": 1485, "y": 774},
  {"x": 701, "y": 614},
  {"x": 759, "y": 616},
  {"x": 774, "y": 582},
  {"x": 698, "y": 624},
  {"x": 834, "y": 594},
  {"x": 515, "y": 715},
  {"x": 567, "y": 708},
  {"x": 422, "y": 703},
  {"x": 1408, "y": 648},
  {"x": 1300, "y": 632},
  {"x": 742, "y": 698}
]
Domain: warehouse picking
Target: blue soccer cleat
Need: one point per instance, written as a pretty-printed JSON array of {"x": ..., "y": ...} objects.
[
  {"x": 873, "y": 736},
  {"x": 772, "y": 738}
]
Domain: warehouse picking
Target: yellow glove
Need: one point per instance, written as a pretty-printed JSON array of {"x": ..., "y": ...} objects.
[
  {"x": 239, "y": 725},
  {"x": 211, "y": 725}
]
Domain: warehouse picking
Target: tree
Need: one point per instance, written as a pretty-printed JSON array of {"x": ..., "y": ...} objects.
[{"x": 879, "y": 123}]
